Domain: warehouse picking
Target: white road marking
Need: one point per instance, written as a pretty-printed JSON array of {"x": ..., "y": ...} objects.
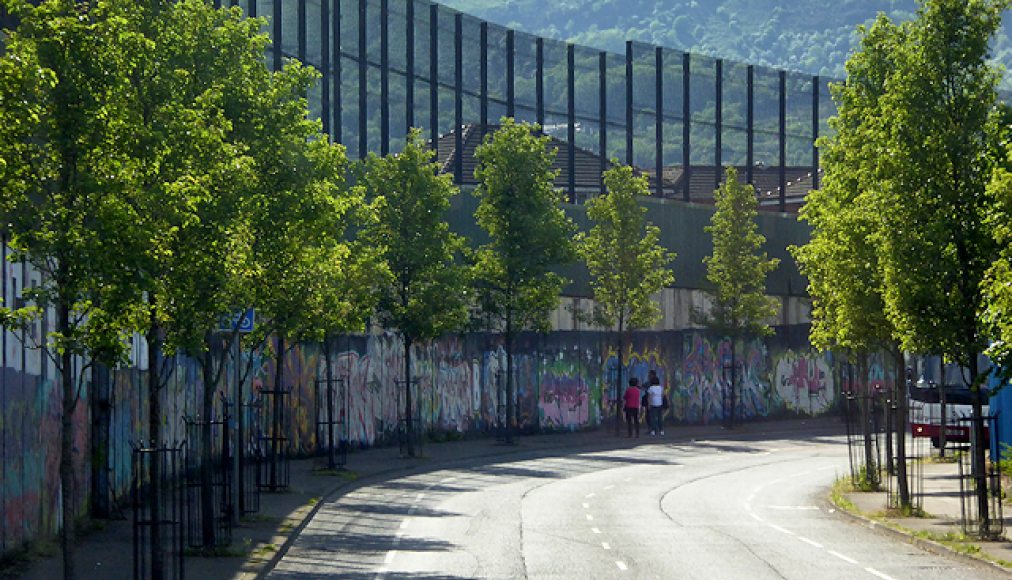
[
  {"x": 609, "y": 487},
  {"x": 595, "y": 530},
  {"x": 877, "y": 573},
  {"x": 757, "y": 518},
  {"x": 590, "y": 495},
  {"x": 782, "y": 530},
  {"x": 404, "y": 524},
  {"x": 448, "y": 479},
  {"x": 590, "y": 518},
  {"x": 810, "y": 542},
  {"x": 842, "y": 557},
  {"x": 605, "y": 545},
  {"x": 621, "y": 565},
  {"x": 587, "y": 505},
  {"x": 390, "y": 557},
  {"x": 419, "y": 496},
  {"x": 792, "y": 507}
]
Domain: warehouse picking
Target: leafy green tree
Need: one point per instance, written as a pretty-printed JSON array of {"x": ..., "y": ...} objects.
[
  {"x": 937, "y": 133},
  {"x": 302, "y": 215},
  {"x": 426, "y": 296},
  {"x": 840, "y": 260},
  {"x": 627, "y": 264},
  {"x": 64, "y": 193},
  {"x": 528, "y": 232},
  {"x": 737, "y": 268}
]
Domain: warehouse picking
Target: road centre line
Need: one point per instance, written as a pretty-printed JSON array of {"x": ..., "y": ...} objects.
[
  {"x": 404, "y": 523},
  {"x": 842, "y": 557},
  {"x": 879, "y": 574},
  {"x": 586, "y": 506},
  {"x": 782, "y": 529},
  {"x": 810, "y": 542},
  {"x": 390, "y": 557},
  {"x": 595, "y": 530},
  {"x": 605, "y": 545},
  {"x": 590, "y": 518},
  {"x": 590, "y": 495},
  {"x": 621, "y": 565}
]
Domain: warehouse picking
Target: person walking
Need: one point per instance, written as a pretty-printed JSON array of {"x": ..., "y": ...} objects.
[
  {"x": 655, "y": 402},
  {"x": 632, "y": 407}
]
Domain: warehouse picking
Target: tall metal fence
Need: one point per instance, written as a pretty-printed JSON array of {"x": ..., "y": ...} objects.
[{"x": 390, "y": 65}]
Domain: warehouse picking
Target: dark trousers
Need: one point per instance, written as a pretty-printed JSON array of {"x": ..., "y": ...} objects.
[
  {"x": 655, "y": 418},
  {"x": 632, "y": 419}
]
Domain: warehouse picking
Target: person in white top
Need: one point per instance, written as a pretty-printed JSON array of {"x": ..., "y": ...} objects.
[{"x": 655, "y": 404}]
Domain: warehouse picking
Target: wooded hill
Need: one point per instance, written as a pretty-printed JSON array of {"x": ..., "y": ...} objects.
[{"x": 811, "y": 36}]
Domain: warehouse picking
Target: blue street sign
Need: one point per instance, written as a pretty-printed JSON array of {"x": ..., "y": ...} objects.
[{"x": 242, "y": 321}]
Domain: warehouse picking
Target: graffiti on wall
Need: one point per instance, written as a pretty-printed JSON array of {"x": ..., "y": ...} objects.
[{"x": 804, "y": 382}]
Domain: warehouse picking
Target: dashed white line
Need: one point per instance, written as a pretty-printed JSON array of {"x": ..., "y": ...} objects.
[
  {"x": 590, "y": 518},
  {"x": 448, "y": 480},
  {"x": 590, "y": 495},
  {"x": 621, "y": 565},
  {"x": 842, "y": 557},
  {"x": 586, "y": 505},
  {"x": 605, "y": 545},
  {"x": 755, "y": 517},
  {"x": 595, "y": 530},
  {"x": 404, "y": 523},
  {"x": 877, "y": 573},
  {"x": 782, "y": 530},
  {"x": 419, "y": 496},
  {"x": 390, "y": 557},
  {"x": 609, "y": 487},
  {"x": 810, "y": 542}
]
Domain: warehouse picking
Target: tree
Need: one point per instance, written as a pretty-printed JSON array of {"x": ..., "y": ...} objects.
[
  {"x": 844, "y": 275},
  {"x": 627, "y": 264},
  {"x": 64, "y": 192},
  {"x": 997, "y": 309},
  {"x": 528, "y": 232},
  {"x": 934, "y": 243},
  {"x": 426, "y": 295},
  {"x": 737, "y": 269}
]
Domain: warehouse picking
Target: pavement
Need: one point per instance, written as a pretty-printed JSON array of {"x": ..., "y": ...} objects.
[{"x": 260, "y": 541}]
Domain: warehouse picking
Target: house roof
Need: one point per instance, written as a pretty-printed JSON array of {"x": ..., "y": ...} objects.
[{"x": 702, "y": 178}]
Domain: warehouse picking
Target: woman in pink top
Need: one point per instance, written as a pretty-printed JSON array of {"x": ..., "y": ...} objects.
[{"x": 632, "y": 406}]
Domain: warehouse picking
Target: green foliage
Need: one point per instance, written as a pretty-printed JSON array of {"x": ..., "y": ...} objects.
[
  {"x": 68, "y": 172},
  {"x": 934, "y": 134},
  {"x": 427, "y": 292},
  {"x": 840, "y": 260},
  {"x": 529, "y": 232},
  {"x": 997, "y": 286},
  {"x": 626, "y": 262},
  {"x": 737, "y": 267}
]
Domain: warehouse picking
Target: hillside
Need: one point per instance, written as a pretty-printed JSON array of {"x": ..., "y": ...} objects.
[{"x": 812, "y": 36}]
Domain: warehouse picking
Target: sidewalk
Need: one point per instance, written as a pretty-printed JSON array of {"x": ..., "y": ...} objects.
[
  {"x": 939, "y": 530},
  {"x": 260, "y": 540}
]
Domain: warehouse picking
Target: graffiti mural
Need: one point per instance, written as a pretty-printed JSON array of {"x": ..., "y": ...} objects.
[{"x": 804, "y": 382}]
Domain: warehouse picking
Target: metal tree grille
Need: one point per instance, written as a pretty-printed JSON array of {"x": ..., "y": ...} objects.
[
  {"x": 251, "y": 455},
  {"x": 275, "y": 468},
  {"x": 158, "y": 514},
  {"x": 864, "y": 429},
  {"x": 332, "y": 422},
  {"x": 208, "y": 477},
  {"x": 981, "y": 512}
]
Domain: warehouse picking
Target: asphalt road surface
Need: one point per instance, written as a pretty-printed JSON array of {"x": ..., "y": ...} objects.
[{"x": 727, "y": 507}]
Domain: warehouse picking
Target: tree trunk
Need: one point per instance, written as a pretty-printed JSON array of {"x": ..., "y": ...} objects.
[
  {"x": 327, "y": 352},
  {"x": 66, "y": 447},
  {"x": 618, "y": 384},
  {"x": 978, "y": 467},
  {"x": 901, "y": 431},
  {"x": 276, "y": 410},
  {"x": 510, "y": 406},
  {"x": 408, "y": 415},
  {"x": 734, "y": 382},
  {"x": 155, "y": 438},
  {"x": 206, "y": 473},
  {"x": 870, "y": 468}
]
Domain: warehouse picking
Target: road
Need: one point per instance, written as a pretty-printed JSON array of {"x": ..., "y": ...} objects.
[{"x": 728, "y": 507}]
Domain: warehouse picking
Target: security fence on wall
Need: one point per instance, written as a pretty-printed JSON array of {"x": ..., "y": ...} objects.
[{"x": 387, "y": 65}]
